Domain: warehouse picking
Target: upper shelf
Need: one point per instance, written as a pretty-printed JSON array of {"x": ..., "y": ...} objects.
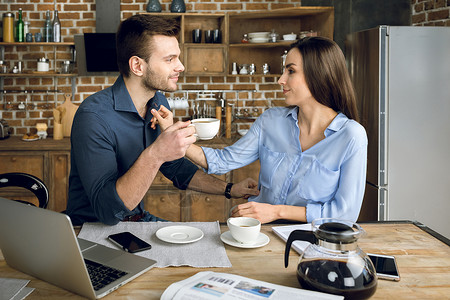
[
  {"x": 38, "y": 44},
  {"x": 37, "y": 74}
]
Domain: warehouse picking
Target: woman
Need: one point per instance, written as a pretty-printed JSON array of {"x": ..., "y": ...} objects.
[{"x": 313, "y": 153}]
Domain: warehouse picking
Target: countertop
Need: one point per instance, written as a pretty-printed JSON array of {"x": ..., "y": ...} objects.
[{"x": 15, "y": 143}]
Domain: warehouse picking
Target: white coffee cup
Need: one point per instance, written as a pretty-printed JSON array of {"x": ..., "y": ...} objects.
[
  {"x": 245, "y": 230},
  {"x": 206, "y": 128}
]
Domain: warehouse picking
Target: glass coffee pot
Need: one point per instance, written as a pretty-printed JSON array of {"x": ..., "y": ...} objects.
[{"x": 333, "y": 263}]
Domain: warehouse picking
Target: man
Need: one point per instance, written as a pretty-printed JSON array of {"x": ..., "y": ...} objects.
[{"x": 115, "y": 152}]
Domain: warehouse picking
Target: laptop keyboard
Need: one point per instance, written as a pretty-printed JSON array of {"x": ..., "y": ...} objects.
[{"x": 102, "y": 275}]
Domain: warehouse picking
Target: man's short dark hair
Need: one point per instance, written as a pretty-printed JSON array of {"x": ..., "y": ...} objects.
[{"x": 135, "y": 34}]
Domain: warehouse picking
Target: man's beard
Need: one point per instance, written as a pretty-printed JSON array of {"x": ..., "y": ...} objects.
[{"x": 152, "y": 82}]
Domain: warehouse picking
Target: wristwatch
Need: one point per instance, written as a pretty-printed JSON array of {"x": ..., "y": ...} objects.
[{"x": 228, "y": 190}]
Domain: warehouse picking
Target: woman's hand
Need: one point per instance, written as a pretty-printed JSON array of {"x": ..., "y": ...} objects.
[
  {"x": 264, "y": 212},
  {"x": 163, "y": 117}
]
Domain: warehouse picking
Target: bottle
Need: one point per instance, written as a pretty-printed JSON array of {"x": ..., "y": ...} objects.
[
  {"x": 48, "y": 36},
  {"x": 20, "y": 36},
  {"x": 56, "y": 26},
  {"x": 26, "y": 26}
]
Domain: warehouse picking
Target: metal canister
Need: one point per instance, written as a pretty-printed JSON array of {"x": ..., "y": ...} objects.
[
  {"x": 43, "y": 64},
  {"x": 8, "y": 27}
]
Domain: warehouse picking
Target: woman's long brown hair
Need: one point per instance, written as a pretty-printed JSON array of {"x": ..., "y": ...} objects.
[{"x": 327, "y": 75}]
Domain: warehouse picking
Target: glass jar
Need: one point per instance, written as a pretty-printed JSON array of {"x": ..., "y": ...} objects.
[
  {"x": 3, "y": 67},
  {"x": 8, "y": 27},
  {"x": 66, "y": 67}
]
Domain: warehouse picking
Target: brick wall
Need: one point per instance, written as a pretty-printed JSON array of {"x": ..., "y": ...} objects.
[
  {"x": 78, "y": 16},
  {"x": 431, "y": 12}
]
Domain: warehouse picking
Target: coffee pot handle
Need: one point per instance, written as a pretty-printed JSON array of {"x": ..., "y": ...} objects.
[{"x": 303, "y": 235}]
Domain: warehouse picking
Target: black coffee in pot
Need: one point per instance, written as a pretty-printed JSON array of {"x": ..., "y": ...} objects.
[{"x": 335, "y": 277}]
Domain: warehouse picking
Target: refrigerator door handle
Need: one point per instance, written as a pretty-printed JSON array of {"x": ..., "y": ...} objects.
[{"x": 382, "y": 205}]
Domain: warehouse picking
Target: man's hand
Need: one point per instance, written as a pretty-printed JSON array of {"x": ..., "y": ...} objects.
[
  {"x": 163, "y": 117},
  {"x": 173, "y": 142},
  {"x": 244, "y": 189}
]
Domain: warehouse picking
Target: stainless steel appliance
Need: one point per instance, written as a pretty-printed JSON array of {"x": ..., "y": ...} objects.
[{"x": 402, "y": 78}]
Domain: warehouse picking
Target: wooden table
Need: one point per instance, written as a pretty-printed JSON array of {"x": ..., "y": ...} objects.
[{"x": 423, "y": 262}]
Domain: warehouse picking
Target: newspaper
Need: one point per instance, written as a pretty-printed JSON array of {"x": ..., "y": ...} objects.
[{"x": 213, "y": 285}]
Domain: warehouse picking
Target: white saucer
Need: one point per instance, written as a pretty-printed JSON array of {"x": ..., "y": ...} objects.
[
  {"x": 179, "y": 234},
  {"x": 262, "y": 240}
]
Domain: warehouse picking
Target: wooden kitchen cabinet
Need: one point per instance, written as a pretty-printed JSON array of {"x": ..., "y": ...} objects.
[
  {"x": 202, "y": 60},
  {"x": 283, "y": 21},
  {"x": 166, "y": 204},
  {"x": 217, "y": 59},
  {"x": 47, "y": 159},
  {"x": 59, "y": 178},
  {"x": 206, "y": 207}
]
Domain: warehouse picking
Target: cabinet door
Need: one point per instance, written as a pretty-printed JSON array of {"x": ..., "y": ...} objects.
[
  {"x": 207, "y": 208},
  {"x": 205, "y": 60},
  {"x": 165, "y": 204},
  {"x": 59, "y": 178},
  {"x": 23, "y": 162}
]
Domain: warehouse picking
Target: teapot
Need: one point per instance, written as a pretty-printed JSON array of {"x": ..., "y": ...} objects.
[{"x": 333, "y": 263}]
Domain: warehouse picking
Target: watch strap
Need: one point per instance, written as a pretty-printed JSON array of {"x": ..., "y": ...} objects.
[{"x": 228, "y": 190}]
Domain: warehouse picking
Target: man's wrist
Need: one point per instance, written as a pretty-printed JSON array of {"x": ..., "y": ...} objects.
[{"x": 228, "y": 190}]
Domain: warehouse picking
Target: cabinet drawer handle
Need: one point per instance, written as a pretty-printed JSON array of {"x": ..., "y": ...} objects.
[
  {"x": 60, "y": 158},
  {"x": 207, "y": 199},
  {"x": 205, "y": 69},
  {"x": 162, "y": 199},
  {"x": 13, "y": 159}
]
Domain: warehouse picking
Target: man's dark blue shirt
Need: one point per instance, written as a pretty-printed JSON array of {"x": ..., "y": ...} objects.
[{"x": 107, "y": 137}]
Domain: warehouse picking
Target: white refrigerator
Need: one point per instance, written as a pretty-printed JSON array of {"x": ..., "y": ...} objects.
[{"x": 402, "y": 80}]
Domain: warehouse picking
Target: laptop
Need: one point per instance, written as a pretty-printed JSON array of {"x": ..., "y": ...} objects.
[{"x": 42, "y": 243}]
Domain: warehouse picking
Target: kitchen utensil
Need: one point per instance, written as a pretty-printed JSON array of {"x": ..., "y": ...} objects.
[
  {"x": 259, "y": 35},
  {"x": 5, "y": 130},
  {"x": 56, "y": 116},
  {"x": 334, "y": 263},
  {"x": 209, "y": 36},
  {"x": 197, "y": 36},
  {"x": 289, "y": 37},
  {"x": 217, "y": 36},
  {"x": 228, "y": 122},
  {"x": 70, "y": 110}
]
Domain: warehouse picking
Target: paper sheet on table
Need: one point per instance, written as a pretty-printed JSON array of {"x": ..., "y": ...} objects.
[
  {"x": 11, "y": 288},
  {"x": 284, "y": 232},
  {"x": 205, "y": 253}
]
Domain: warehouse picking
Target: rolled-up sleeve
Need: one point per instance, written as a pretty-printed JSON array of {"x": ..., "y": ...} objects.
[{"x": 97, "y": 168}]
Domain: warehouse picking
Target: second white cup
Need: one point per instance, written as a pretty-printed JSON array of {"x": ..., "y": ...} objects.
[{"x": 245, "y": 230}]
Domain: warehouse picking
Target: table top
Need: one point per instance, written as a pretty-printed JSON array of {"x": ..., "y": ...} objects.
[{"x": 423, "y": 262}]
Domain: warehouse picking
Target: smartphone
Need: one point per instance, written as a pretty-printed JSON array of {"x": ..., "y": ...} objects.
[
  {"x": 129, "y": 242},
  {"x": 385, "y": 266}
]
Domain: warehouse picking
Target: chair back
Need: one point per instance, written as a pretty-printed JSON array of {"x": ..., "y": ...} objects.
[{"x": 29, "y": 182}]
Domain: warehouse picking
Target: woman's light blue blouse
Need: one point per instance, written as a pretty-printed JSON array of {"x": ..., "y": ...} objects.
[{"x": 328, "y": 178}]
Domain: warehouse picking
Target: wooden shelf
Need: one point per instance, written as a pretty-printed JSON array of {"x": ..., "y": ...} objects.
[
  {"x": 262, "y": 45},
  {"x": 38, "y": 74},
  {"x": 38, "y": 44}
]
